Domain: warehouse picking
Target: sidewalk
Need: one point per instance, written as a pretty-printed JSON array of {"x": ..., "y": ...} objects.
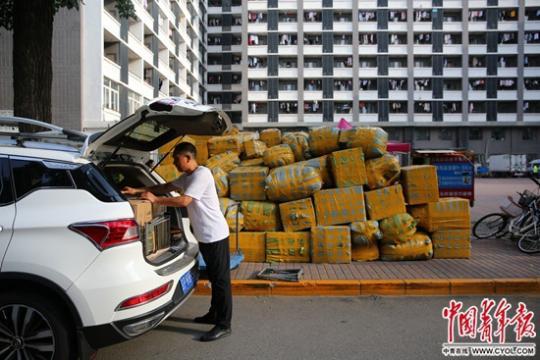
[{"x": 495, "y": 267}]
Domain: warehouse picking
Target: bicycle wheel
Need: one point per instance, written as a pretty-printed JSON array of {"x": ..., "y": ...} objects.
[
  {"x": 490, "y": 225},
  {"x": 530, "y": 242}
]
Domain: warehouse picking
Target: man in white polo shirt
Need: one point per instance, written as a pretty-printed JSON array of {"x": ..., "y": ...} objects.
[{"x": 200, "y": 197}]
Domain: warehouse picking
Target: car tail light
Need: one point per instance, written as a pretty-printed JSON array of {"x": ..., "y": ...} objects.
[
  {"x": 108, "y": 233},
  {"x": 146, "y": 297}
]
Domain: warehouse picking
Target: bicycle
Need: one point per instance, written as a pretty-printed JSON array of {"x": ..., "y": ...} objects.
[
  {"x": 514, "y": 218},
  {"x": 530, "y": 240}
]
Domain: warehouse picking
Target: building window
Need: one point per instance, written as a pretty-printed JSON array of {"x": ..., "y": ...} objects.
[
  {"x": 422, "y": 134},
  {"x": 446, "y": 134},
  {"x": 528, "y": 134},
  {"x": 288, "y": 107},
  {"x": 475, "y": 134},
  {"x": 531, "y": 107},
  {"x": 497, "y": 134},
  {"x": 111, "y": 95},
  {"x": 398, "y": 107},
  {"x": 134, "y": 101}
]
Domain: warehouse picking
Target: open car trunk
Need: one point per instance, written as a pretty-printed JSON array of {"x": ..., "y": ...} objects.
[{"x": 163, "y": 237}]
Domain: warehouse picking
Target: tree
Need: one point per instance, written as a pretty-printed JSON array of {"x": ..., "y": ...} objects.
[{"x": 32, "y": 25}]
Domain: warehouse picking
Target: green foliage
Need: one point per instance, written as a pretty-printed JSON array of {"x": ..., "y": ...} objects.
[{"x": 125, "y": 9}]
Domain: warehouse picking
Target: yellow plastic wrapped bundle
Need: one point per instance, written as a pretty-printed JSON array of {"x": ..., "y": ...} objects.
[
  {"x": 260, "y": 216},
  {"x": 299, "y": 143},
  {"x": 323, "y": 140},
  {"x": 251, "y": 244},
  {"x": 447, "y": 213},
  {"x": 229, "y": 209},
  {"x": 168, "y": 172},
  {"x": 247, "y": 183},
  {"x": 253, "y": 162},
  {"x": 232, "y": 131},
  {"x": 199, "y": 141},
  {"x": 222, "y": 183},
  {"x": 331, "y": 244},
  {"x": 271, "y": 137},
  {"x": 420, "y": 185},
  {"x": 365, "y": 233},
  {"x": 226, "y": 161},
  {"x": 451, "y": 244},
  {"x": 245, "y": 136},
  {"x": 279, "y": 155},
  {"x": 382, "y": 172},
  {"x": 297, "y": 215},
  {"x": 288, "y": 247},
  {"x": 385, "y": 202},
  {"x": 372, "y": 140},
  {"x": 322, "y": 164},
  {"x": 293, "y": 182},
  {"x": 398, "y": 228},
  {"x": 340, "y": 206},
  {"x": 418, "y": 248},
  {"x": 220, "y": 144},
  {"x": 254, "y": 149},
  {"x": 348, "y": 167}
]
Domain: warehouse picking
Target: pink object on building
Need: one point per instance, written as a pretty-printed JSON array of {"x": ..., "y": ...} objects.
[{"x": 344, "y": 125}]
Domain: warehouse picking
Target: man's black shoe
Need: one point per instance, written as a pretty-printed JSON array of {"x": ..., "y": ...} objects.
[
  {"x": 206, "y": 319},
  {"x": 217, "y": 332}
]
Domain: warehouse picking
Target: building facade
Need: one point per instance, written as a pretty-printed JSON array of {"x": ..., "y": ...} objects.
[
  {"x": 438, "y": 74},
  {"x": 104, "y": 66}
]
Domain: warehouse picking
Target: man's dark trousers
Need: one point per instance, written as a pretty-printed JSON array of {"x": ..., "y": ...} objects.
[{"x": 218, "y": 260}]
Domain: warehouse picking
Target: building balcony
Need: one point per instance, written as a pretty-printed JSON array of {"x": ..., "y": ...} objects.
[
  {"x": 477, "y": 72},
  {"x": 338, "y": 117},
  {"x": 257, "y": 118},
  {"x": 313, "y": 4},
  {"x": 398, "y": 72},
  {"x": 312, "y": 27},
  {"x": 529, "y": 48},
  {"x": 397, "y": 95},
  {"x": 144, "y": 15},
  {"x": 421, "y": 49},
  {"x": 368, "y": 118},
  {"x": 343, "y": 26},
  {"x": 288, "y": 49},
  {"x": 138, "y": 47},
  {"x": 477, "y": 95},
  {"x": 397, "y": 49},
  {"x": 111, "y": 69},
  {"x": 288, "y": 95},
  {"x": 364, "y": 95},
  {"x": 111, "y": 24},
  {"x": 531, "y": 117},
  {"x": 252, "y": 50},
  {"x": 476, "y": 4},
  {"x": 507, "y": 95},
  {"x": 512, "y": 49},
  {"x": 477, "y": 49},
  {"x": 507, "y": 72},
  {"x": 452, "y": 117},
  {"x": 397, "y": 26},
  {"x": 507, "y": 26},
  {"x": 452, "y": 25},
  {"x": 257, "y": 95},
  {"x": 367, "y": 49},
  {"x": 368, "y": 26},
  {"x": 312, "y": 49},
  {"x": 477, "y": 26},
  {"x": 287, "y": 72},
  {"x": 343, "y": 72},
  {"x": 422, "y": 118},
  {"x": 513, "y": 3},
  {"x": 453, "y": 95},
  {"x": 398, "y": 118},
  {"x": 531, "y": 25},
  {"x": 287, "y": 5},
  {"x": 423, "y": 95},
  {"x": 531, "y": 72},
  {"x": 257, "y": 28},
  {"x": 110, "y": 115},
  {"x": 312, "y": 72},
  {"x": 343, "y": 95},
  {"x": 531, "y": 94},
  {"x": 367, "y": 72},
  {"x": 506, "y": 117},
  {"x": 393, "y": 4},
  {"x": 452, "y": 49},
  {"x": 257, "y": 73},
  {"x": 423, "y": 26},
  {"x": 477, "y": 117},
  {"x": 313, "y": 95},
  {"x": 343, "y": 49},
  {"x": 342, "y": 4},
  {"x": 287, "y": 118},
  {"x": 313, "y": 118},
  {"x": 423, "y": 72},
  {"x": 288, "y": 26},
  {"x": 452, "y": 72}
]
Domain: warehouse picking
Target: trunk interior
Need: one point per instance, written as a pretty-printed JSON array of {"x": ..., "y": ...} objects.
[{"x": 163, "y": 238}]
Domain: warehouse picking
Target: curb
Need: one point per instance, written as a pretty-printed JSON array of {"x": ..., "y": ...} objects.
[{"x": 391, "y": 287}]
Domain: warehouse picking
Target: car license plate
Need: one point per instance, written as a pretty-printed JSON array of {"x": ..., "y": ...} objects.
[{"x": 187, "y": 282}]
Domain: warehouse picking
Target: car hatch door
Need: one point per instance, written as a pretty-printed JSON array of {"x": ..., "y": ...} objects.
[{"x": 7, "y": 206}]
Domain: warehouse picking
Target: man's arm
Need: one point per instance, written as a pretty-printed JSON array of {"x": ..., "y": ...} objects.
[
  {"x": 177, "y": 201},
  {"x": 156, "y": 189}
]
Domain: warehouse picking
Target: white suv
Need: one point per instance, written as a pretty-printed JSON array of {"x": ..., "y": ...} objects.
[{"x": 75, "y": 275}]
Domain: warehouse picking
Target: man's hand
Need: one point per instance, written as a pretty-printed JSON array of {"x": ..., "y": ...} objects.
[
  {"x": 127, "y": 190},
  {"x": 147, "y": 195}
]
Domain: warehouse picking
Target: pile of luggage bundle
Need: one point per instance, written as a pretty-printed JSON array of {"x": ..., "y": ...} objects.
[{"x": 328, "y": 196}]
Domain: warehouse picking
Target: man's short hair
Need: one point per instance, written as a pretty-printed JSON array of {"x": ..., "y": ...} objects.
[{"x": 185, "y": 148}]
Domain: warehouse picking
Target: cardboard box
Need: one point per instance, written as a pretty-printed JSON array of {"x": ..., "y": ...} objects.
[
  {"x": 293, "y": 182},
  {"x": 271, "y": 137},
  {"x": 260, "y": 216},
  {"x": 447, "y": 213},
  {"x": 382, "y": 172},
  {"x": 451, "y": 244},
  {"x": 142, "y": 210},
  {"x": 420, "y": 185},
  {"x": 288, "y": 247},
  {"x": 323, "y": 140},
  {"x": 222, "y": 181},
  {"x": 251, "y": 244},
  {"x": 248, "y": 183},
  {"x": 279, "y": 155},
  {"x": 322, "y": 164},
  {"x": 226, "y": 161},
  {"x": 253, "y": 162},
  {"x": 297, "y": 215},
  {"x": 220, "y": 144},
  {"x": 331, "y": 244},
  {"x": 385, "y": 202},
  {"x": 348, "y": 167},
  {"x": 254, "y": 149},
  {"x": 340, "y": 206}
]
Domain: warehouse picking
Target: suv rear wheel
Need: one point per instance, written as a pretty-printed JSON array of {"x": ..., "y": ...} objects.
[{"x": 31, "y": 327}]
